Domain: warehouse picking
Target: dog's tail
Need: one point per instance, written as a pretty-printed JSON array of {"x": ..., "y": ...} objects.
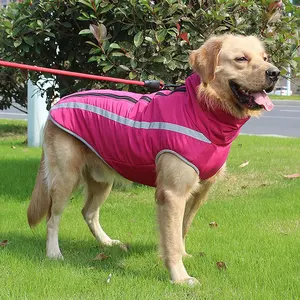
[{"x": 40, "y": 200}]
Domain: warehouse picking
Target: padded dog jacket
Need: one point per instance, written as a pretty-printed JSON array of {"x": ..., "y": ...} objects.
[{"x": 129, "y": 131}]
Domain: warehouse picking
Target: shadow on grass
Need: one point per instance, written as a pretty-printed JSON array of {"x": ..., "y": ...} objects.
[
  {"x": 18, "y": 178},
  {"x": 79, "y": 254}
]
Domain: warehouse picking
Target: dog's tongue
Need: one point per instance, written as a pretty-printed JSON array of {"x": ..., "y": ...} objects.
[{"x": 261, "y": 98}]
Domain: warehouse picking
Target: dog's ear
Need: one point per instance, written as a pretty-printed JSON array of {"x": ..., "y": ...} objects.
[{"x": 204, "y": 60}]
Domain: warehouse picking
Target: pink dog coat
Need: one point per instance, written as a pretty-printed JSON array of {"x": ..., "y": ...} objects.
[{"x": 129, "y": 131}]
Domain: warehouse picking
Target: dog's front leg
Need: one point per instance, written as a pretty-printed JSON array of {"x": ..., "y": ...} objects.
[
  {"x": 192, "y": 206},
  {"x": 196, "y": 200},
  {"x": 175, "y": 183}
]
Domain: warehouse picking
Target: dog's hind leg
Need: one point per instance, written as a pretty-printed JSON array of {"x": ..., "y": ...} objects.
[
  {"x": 96, "y": 194},
  {"x": 60, "y": 193},
  {"x": 176, "y": 181},
  {"x": 64, "y": 161}
]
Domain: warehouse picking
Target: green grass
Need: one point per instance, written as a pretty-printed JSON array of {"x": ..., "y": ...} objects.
[
  {"x": 277, "y": 97},
  {"x": 258, "y": 236}
]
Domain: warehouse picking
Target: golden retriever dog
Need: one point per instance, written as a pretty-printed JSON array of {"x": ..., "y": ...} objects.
[{"x": 235, "y": 76}]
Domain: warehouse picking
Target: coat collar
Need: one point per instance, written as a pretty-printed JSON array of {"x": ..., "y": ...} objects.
[{"x": 218, "y": 126}]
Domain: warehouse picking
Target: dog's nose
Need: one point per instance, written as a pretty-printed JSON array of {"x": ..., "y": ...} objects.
[{"x": 273, "y": 73}]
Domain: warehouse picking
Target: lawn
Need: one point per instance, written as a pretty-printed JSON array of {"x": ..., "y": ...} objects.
[
  {"x": 258, "y": 234},
  {"x": 293, "y": 97}
]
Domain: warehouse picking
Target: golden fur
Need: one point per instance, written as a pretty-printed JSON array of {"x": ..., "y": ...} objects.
[
  {"x": 66, "y": 161},
  {"x": 215, "y": 62}
]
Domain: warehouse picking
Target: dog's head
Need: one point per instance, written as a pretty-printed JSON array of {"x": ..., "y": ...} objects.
[{"x": 235, "y": 74}]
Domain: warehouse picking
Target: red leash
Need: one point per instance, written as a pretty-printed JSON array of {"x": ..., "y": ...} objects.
[{"x": 153, "y": 84}]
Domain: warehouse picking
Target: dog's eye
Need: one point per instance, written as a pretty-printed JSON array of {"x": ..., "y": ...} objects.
[
  {"x": 241, "y": 58},
  {"x": 265, "y": 58}
]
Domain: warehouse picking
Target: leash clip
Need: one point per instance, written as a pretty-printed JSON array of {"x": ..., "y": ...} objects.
[{"x": 155, "y": 85}]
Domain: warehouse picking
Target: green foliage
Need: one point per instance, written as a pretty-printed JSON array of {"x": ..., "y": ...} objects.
[{"x": 135, "y": 39}]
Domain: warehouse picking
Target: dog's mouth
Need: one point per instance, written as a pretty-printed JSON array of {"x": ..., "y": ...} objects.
[{"x": 253, "y": 100}]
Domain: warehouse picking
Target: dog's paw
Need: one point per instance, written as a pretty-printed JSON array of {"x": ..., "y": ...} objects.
[
  {"x": 124, "y": 247},
  {"x": 55, "y": 256},
  {"x": 116, "y": 242},
  {"x": 110, "y": 243},
  {"x": 191, "y": 281}
]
